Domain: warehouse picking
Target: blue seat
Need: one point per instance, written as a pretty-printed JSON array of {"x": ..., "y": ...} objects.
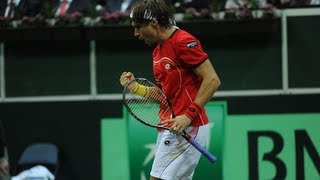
[{"x": 46, "y": 154}]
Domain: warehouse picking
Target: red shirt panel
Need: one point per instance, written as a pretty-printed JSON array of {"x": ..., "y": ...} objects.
[{"x": 173, "y": 64}]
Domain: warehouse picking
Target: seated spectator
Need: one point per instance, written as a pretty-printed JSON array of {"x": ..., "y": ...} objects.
[
  {"x": 18, "y": 8},
  {"x": 236, "y": 4},
  {"x": 67, "y": 7},
  {"x": 112, "y": 6},
  {"x": 280, "y": 4},
  {"x": 315, "y": 2},
  {"x": 4, "y": 163},
  {"x": 304, "y": 3},
  {"x": 4, "y": 8},
  {"x": 196, "y": 4},
  {"x": 8, "y": 8},
  {"x": 32, "y": 7},
  {"x": 4, "y": 169},
  {"x": 100, "y": 6},
  {"x": 37, "y": 172}
]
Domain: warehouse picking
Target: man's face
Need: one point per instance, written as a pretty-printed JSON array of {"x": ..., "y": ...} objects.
[{"x": 145, "y": 32}]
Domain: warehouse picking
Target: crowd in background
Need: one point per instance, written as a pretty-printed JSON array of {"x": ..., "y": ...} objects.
[{"x": 54, "y": 8}]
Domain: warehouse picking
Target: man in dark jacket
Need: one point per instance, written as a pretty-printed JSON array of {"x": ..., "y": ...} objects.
[
  {"x": 81, "y": 6},
  {"x": 18, "y": 9}
]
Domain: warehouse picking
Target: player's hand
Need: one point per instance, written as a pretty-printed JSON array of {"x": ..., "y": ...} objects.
[
  {"x": 179, "y": 123},
  {"x": 126, "y": 77}
]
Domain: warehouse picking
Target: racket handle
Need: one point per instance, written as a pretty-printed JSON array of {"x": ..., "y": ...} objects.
[{"x": 201, "y": 149}]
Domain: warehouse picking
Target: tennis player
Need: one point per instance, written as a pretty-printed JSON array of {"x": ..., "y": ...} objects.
[{"x": 184, "y": 72}]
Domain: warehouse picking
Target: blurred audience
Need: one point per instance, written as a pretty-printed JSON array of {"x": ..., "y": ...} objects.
[
  {"x": 304, "y": 3},
  {"x": 255, "y": 4},
  {"x": 38, "y": 172},
  {"x": 7, "y": 8},
  {"x": 4, "y": 162},
  {"x": 67, "y": 7},
  {"x": 19, "y": 8},
  {"x": 315, "y": 2},
  {"x": 182, "y": 5},
  {"x": 236, "y": 4},
  {"x": 280, "y": 4},
  {"x": 112, "y": 6},
  {"x": 32, "y": 7}
]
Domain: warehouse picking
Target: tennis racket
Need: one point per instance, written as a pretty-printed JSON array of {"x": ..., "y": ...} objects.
[{"x": 152, "y": 105}]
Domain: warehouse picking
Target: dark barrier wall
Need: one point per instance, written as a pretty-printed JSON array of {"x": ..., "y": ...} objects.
[
  {"x": 247, "y": 56},
  {"x": 303, "y": 51},
  {"x": 240, "y": 51},
  {"x": 75, "y": 126}
]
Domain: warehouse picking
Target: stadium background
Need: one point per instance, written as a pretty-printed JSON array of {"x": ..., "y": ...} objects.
[{"x": 62, "y": 86}]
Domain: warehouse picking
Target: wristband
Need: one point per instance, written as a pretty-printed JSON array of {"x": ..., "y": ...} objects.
[
  {"x": 193, "y": 111},
  {"x": 140, "y": 90}
]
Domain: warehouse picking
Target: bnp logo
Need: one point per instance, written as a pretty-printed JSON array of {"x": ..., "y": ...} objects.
[{"x": 295, "y": 150}]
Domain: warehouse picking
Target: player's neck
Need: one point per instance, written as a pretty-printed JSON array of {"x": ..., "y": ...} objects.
[{"x": 166, "y": 34}]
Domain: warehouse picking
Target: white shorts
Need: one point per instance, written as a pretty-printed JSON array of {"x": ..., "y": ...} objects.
[{"x": 175, "y": 158}]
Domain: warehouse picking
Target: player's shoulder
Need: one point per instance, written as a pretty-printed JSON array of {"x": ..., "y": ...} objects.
[
  {"x": 185, "y": 39},
  {"x": 184, "y": 35}
]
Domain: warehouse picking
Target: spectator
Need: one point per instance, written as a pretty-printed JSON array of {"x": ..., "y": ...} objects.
[
  {"x": 100, "y": 6},
  {"x": 39, "y": 171},
  {"x": 315, "y": 2},
  {"x": 4, "y": 163},
  {"x": 32, "y": 7},
  {"x": 112, "y": 6},
  {"x": 304, "y": 3},
  {"x": 280, "y": 4},
  {"x": 236, "y": 4},
  {"x": 19, "y": 8},
  {"x": 4, "y": 169},
  {"x": 197, "y": 4},
  {"x": 36, "y": 172},
  {"x": 8, "y": 8},
  {"x": 67, "y": 7}
]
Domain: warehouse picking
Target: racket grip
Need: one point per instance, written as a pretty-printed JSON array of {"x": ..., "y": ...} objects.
[{"x": 204, "y": 151}]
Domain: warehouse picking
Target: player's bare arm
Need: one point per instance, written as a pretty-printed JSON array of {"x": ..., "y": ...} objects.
[{"x": 210, "y": 82}]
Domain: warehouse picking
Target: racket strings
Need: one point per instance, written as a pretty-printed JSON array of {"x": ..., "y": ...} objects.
[{"x": 150, "y": 109}]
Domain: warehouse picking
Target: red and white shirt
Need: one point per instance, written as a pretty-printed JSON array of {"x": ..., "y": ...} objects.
[{"x": 173, "y": 64}]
